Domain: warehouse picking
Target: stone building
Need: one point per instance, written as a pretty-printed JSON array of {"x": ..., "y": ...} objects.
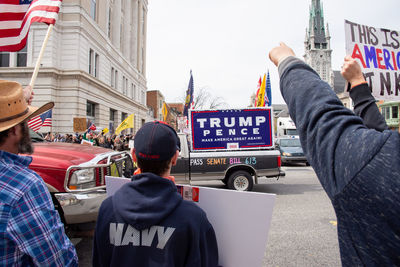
[
  {"x": 317, "y": 44},
  {"x": 94, "y": 65}
]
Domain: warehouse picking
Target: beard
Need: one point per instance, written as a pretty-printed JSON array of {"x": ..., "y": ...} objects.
[{"x": 25, "y": 144}]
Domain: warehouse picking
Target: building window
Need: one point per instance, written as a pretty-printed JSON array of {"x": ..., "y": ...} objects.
[
  {"x": 112, "y": 83},
  {"x": 160, "y": 103},
  {"x": 22, "y": 57},
  {"x": 91, "y": 56},
  {"x": 121, "y": 37},
  {"x": 395, "y": 112},
  {"x": 91, "y": 111},
  {"x": 142, "y": 99},
  {"x": 93, "y": 63},
  {"x": 4, "y": 59},
  {"x": 93, "y": 9},
  {"x": 143, "y": 20},
  {"x": 143, "y": 59},
  {"x": 386, "y": 112},
  {"x": 123, "y": 116},
  {"x": 112, "y": 114},
  {"x": 109, "y": 23},
  {"x": 96, "y": 65},
  {"x": 116, "y": 79},
  {"x": 124, "y": 85},
  {"x": 111, "y": 122}
]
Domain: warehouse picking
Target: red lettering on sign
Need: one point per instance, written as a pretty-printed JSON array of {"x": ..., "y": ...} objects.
[
  {"x": 379, "y": 58},
  {"x": 357, "y": 54}
]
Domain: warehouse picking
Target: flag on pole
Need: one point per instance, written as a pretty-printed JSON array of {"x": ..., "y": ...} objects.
[
  {"x": 127, "y": 123},
  {"x": 258, "y": 91},
  {"x": 16, "y": 17},
  {"x": 165, "y": 112},
  {"x": 261, "y": 94},
  {"x": 189, "y": 96},
  {"x": 39, "y": 121},
  {"x": 105, "y": 130},
  {"x": 268, "y": 96}
]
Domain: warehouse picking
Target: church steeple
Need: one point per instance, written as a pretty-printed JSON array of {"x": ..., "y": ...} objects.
[
  {"x": 316, "y": 28},
  {"x": 317, "y": 43}
]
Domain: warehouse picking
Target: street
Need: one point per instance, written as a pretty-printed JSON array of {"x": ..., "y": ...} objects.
[{"x": 303, "y": 230}]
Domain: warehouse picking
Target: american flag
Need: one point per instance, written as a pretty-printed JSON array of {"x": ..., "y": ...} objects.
[
  {"x": 16, "y": 17},
  {"x": 39, "y": 121}
]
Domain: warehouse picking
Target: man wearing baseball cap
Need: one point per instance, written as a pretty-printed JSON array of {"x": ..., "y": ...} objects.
[
  {"x": 146, "y": 222},
  {"x": 31, "y": 230}
]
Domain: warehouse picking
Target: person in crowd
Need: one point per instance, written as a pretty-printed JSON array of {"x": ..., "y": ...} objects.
[
  {"x": 31, "y": 230},
  {"x": 358, "y": 167},
  {"x": 101, "y": 142},
  {"x": 146, "y": 222},
  {"x": 118, "y": 144},
  {"x": 108, "y": 142}
]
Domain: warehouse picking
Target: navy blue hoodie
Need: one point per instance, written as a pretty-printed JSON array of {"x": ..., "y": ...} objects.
[{"x": 146, "y": 223}]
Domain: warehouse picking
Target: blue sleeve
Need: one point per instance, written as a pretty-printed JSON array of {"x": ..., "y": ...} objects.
[
  {"x": 37, "y": 231},
  {"x": 365, "y": 107},
  {"x": 336, "y": 142}
]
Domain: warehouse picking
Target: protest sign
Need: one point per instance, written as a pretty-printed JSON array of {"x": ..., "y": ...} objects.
[
  {"x": 79, "y": 125},
  {"x": 378, "y": 52},
  {"x": 231, "y": 129},
  {"x": 241, "y": 220}
]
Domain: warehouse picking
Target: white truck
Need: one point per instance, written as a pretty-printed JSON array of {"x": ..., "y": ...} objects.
[{"x": 285, "y": 127}]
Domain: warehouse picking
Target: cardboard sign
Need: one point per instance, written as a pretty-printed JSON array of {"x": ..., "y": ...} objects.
[
  {"x": 231, "y": 129},
  {"x": 241, "y": 220},
  {"x": 378, "y": 52},
  {"x": 79, "y": 125}
]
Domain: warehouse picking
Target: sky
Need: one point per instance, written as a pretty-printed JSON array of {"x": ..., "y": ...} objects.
[{"x": 226, "y": 42}]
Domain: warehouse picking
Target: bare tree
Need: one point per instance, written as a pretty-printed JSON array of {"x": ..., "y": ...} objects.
[
  {"x": 203, "y": 99},
  {"x": 252, "y": 99}
]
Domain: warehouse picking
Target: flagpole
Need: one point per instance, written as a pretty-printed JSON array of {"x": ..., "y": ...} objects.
[{"x": 37, "y": 67}]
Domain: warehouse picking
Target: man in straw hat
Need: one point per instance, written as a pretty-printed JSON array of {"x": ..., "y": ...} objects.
[{"x": 30, "y": 228}]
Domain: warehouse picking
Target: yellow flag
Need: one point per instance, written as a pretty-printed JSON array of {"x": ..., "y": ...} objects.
[
  {"x": 261, "y": 94},
  {"x": 105, "y": 130},
  {"x": 165, "y": 111},
  {"x": 127, "y": 123}
]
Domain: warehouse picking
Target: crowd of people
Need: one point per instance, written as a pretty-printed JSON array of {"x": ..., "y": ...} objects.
[
  {"x": 354, "y": 155},
  {"x": 112, "y": 141}
]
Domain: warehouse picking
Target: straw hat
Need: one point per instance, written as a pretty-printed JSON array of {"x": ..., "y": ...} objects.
[{"x": 13, "y": 107}]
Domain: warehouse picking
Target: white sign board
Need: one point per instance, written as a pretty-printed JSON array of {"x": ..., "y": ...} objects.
[
  {"x": 241, "y": 221},
  {"x": 378, "y": 52}
]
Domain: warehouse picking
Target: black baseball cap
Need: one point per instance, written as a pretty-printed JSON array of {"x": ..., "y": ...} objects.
[{"x": 156, "y": 141}]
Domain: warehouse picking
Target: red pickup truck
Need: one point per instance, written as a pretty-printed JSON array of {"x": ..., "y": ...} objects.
[{"x": 75, "y": 176}]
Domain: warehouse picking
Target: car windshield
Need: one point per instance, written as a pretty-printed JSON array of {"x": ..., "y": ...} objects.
[
  {"x": 290, "y": 142},
  {"x": 35, "y": 137},
  {"x": 291, "y": 132}
]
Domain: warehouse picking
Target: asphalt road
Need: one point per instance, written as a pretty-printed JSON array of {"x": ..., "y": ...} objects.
[{"x": 303, "y": 230}]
